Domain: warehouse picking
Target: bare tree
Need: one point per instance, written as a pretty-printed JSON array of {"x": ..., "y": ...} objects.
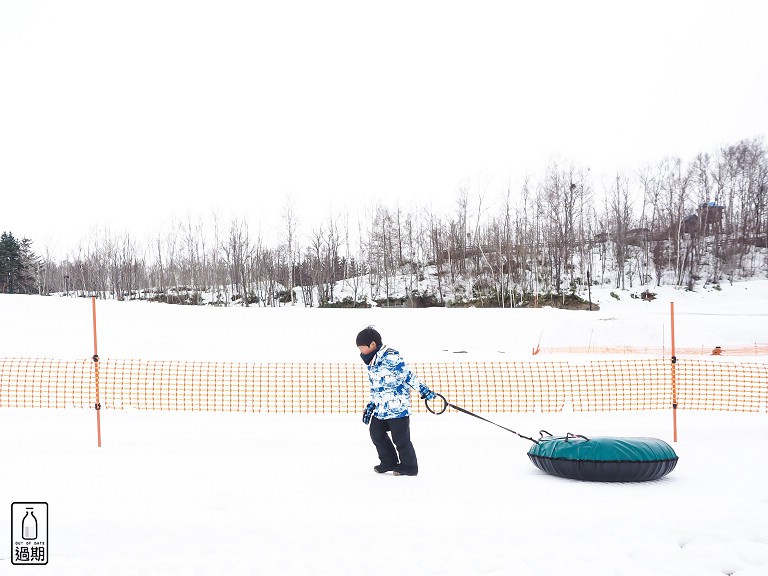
[
  {"x": 290, "y": 226},
  {"x": 620, "y": 218}
]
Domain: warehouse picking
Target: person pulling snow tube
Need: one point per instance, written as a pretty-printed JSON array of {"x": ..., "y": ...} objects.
[{"x": 604, "y": 458}]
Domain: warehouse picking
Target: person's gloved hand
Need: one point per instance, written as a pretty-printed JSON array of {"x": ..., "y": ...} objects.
[
  {"x": 426, "y": 393},
  {"x": 368, "y": 412}
]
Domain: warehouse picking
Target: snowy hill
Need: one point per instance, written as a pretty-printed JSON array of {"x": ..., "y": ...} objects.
[
  {"x": 733, "y": 315},
  {"x": 239, "y": 494}
]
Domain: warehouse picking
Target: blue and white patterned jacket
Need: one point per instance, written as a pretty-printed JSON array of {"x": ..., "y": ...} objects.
[{"x": 391, "y": 384}]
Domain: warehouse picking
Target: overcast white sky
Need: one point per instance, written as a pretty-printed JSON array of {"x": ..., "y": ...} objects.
[{"x": 128, "y": 113}]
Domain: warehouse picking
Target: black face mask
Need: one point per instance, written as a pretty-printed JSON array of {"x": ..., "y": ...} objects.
[{"x": 368, "y": 357}]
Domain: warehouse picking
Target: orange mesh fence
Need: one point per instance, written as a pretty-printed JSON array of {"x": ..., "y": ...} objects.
[
  {"x": 755, "y": 349},
  {"x": 604, "y": 385}
]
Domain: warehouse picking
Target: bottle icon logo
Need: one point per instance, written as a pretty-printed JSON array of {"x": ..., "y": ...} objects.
[
  {"x": 29, "y": 533},
  {"x": 29, "y": 525}
]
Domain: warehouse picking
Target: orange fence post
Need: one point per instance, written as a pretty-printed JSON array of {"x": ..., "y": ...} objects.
[
  {"x": 96, "y": 371},
  {"x": 674, "y": 373}
]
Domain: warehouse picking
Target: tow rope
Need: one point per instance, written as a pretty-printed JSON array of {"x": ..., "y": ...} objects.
[{"x": 447, "y": 404}]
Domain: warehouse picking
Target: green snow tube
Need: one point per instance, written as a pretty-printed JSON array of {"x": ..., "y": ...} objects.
[{"x": 603, "y": 459}]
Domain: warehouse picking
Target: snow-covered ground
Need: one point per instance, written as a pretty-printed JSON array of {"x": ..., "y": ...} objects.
[
  {"x": 58, "y": 327},
  {"x": 174, "y": 493},
  {"x": 192, "y": 493}
]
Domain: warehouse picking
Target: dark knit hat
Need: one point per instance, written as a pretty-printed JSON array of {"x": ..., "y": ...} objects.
[{"x": 367, "y": 336}]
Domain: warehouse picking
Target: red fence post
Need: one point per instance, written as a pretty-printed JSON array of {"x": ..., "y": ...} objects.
[
  {"x": 674, "y": 373},
  {"x": 96, "y": 371}
]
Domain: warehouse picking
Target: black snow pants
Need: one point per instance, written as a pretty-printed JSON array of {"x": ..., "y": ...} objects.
[{"x": 400, "y": 428}]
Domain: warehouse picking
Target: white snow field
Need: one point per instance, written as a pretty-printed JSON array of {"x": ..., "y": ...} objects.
[{"x": 229, "y": 493}]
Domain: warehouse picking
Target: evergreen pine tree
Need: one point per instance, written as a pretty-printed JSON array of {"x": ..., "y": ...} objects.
[
  {"x": 18, "y": 265},
  {"x": 9, "y": 262},
  {"x": 31, "y": 268}
]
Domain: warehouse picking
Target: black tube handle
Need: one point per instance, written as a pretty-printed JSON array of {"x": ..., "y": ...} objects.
[{"x": 445, "y": 404}]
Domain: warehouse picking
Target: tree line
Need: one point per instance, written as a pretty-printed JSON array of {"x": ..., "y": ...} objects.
[{"x": 674, "y": 222}]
